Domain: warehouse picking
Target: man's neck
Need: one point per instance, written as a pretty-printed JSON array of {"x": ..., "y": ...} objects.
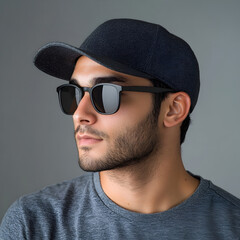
[{"x": 153, "y": 185}]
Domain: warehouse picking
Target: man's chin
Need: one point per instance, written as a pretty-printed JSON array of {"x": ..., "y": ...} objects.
[
  {"x": 88, "y": 165},
  {"x": 93, "y": 167}
]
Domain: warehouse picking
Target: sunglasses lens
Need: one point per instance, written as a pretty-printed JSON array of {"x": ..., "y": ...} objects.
[
  {"x": 105, "y": 98},
  {"x": 69, "y": 97}
]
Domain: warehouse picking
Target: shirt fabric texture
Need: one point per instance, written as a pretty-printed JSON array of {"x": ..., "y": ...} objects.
[{"x": 79, "y": 209}]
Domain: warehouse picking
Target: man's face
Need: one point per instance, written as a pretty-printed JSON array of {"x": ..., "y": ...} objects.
[{"x": 107, "y": 142}]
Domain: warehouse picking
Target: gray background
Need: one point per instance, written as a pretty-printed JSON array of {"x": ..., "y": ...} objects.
[{"x": 37, "y": 147}]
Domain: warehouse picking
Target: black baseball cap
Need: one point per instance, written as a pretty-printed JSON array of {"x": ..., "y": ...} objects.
[{"x": 132, "y": 47}]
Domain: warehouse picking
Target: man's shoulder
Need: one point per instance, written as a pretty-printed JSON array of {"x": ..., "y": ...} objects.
[
  {"x": 50, "y": 206},
  {"x": 54, "y": 198},
  {"x": 58, "y": 192},
  {"x": 219, "y": 207},
  {"x": 224, "y": 198},
  {"x": 211, "y": 195}
]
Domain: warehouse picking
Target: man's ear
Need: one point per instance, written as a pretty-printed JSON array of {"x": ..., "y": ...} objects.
[{"x": 177, "y": 108}]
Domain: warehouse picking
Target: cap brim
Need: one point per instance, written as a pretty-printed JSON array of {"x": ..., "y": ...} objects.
[{"x": 58, "y": 59}]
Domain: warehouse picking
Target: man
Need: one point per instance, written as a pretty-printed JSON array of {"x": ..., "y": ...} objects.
[{"x": 132, "y": 86}]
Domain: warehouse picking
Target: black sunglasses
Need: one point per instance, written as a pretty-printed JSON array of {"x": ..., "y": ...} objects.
[{"x": 105, "y": 97}]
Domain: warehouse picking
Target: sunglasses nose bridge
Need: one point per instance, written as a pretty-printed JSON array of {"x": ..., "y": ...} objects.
[
  {"x": 85, "y": 97},
  {"x": 88, "y": 90}
]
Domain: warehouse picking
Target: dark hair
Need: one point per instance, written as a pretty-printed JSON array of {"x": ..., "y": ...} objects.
[{"x": 158, "y": 98}]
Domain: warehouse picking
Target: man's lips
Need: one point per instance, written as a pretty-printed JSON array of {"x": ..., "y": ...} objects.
[{"x": 87, "y": 139}]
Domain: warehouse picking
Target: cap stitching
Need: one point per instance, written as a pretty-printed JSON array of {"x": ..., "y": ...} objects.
[{"x": 151, "y": 51}]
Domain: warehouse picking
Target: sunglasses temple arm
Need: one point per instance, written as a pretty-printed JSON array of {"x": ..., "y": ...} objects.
[{"x": 146, "y": 89}]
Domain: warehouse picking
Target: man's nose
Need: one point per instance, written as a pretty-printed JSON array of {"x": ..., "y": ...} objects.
[{"x": 85, "y": 112}]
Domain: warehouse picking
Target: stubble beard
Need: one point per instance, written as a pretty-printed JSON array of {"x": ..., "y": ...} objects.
[{"x": 131, "y": 147}]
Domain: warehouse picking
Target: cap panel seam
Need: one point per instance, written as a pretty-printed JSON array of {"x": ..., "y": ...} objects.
[{"x": 151, "y": 51}]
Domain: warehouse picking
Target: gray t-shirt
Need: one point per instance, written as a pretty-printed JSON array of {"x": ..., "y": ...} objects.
[{"x": 79, "y": 209}]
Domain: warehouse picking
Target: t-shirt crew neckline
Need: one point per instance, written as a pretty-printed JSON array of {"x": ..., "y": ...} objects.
[{"x": 179, "y": 209}]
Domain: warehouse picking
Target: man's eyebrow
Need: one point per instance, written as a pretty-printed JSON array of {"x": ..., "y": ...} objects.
[
  {"x": 104, "y": 79},
  {"x": 108, "y": 79}
]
